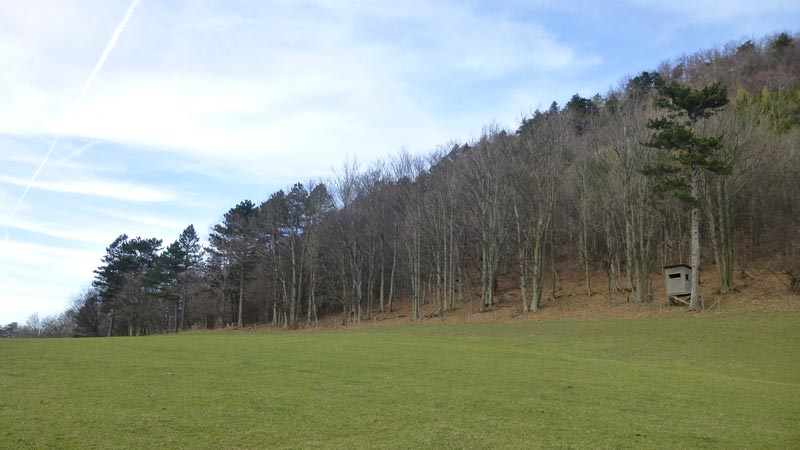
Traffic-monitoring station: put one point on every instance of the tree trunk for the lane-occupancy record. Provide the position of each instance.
(719, 226)
(241, 296)
(370, 280)
(293, 288)
(311, 301)
(553, 271)
(391, 281)
(538, 263)
(177, 313)
(585, 234)
(522, 260)
(111, 324)
(629, 246)
(452, 263)
(383, 278)
(695, 302)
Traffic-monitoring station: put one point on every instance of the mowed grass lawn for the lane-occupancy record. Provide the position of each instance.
(698, 381)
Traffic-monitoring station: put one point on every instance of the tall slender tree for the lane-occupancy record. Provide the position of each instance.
(235, 239)
(688, 154)
(179, 264)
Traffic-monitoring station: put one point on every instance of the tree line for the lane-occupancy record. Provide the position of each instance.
(701, 153)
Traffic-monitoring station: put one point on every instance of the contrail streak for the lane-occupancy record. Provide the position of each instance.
(110, 46)
(80, 150)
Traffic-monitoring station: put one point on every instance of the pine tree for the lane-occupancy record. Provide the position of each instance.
(688, 154)
(234, 241)
(127, 282)
(178, 266)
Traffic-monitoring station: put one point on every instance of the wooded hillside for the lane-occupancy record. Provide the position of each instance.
(584, 188)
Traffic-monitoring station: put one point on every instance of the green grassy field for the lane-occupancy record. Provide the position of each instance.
(699, 381)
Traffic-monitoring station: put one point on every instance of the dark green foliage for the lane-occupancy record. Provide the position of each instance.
(580, 111)
(781, 42)
(179, 257)
(641, 85)
(233, 237)
(136, 284)
(184, 253)
(320, 203)
(128, 282)
(695, 104)
(612, 103)
(274, 213)
(178, 267)
(528, 124)
(125, 258)
(234, 247)
(746, 47)
(686, 151)
(10, 331)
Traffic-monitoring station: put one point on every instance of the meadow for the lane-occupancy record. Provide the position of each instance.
(726, 380)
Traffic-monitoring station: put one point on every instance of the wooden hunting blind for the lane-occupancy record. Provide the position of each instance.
(678, 279)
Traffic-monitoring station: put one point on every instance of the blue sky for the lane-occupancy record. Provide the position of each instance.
(175, 115)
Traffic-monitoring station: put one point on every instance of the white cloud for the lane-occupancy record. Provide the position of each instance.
(57, 230)
(242, 88)
(92, 227)
(51, 275)
(130, 191)
(158, 224)
(68, 261)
